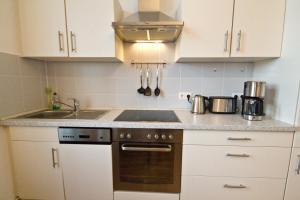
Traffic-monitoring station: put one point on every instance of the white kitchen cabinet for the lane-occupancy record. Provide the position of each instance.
(119, 195)
(228, 188)
(207, 29)
(235, 161)
(234, 165)
(43, 28)
(37, 170)
(257, 28)
(240, 29)
(36, 163)
(293, 182)
(90, 31)
(238, 138)
(87, 172)
(52, 29)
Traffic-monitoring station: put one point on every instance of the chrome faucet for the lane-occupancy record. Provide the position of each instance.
(76, 104)
(75, 107)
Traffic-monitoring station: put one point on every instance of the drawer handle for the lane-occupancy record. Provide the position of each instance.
(239, 139)
(298, 169)
(238, 155)
(235, 186)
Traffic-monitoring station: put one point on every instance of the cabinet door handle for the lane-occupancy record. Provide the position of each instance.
(298, 168)
(55, 159)
(73, 42)
(226, 41)
(239, 139)
(238, 155)
(61, 41)
(235, 186)
(239, 40)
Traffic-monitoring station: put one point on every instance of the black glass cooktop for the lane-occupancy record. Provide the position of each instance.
(148, 116)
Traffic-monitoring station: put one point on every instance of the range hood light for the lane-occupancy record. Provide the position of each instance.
(148, 41)
(148, 34)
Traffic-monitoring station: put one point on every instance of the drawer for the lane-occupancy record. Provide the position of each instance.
(238, 138)
(225, 188)
(235, 161)
(119, 195)
(33, 134)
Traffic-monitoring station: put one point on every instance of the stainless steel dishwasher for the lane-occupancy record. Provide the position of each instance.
(86, 157)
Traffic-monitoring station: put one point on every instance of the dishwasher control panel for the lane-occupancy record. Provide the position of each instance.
(84, 135)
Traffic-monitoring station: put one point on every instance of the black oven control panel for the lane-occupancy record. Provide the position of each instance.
(148, 135)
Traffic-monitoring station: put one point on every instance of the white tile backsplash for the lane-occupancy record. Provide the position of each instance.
(22, 84)
(114, 85)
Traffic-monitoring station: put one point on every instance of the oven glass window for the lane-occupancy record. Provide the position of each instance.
(146, 167)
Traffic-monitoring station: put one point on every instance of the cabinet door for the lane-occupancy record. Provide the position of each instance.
(257, 28)
(87, 172)
(207, 29)
(90, 30)
(43, 28)
(292, 189)
(38, 174)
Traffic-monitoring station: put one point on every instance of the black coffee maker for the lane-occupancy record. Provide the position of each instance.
(253, 100)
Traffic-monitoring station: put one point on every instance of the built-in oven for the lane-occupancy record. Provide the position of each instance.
(147, 160)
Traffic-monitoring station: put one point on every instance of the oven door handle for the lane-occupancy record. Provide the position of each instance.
(125, 147)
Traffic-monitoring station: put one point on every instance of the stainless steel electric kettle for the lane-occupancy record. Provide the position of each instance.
(198, 103)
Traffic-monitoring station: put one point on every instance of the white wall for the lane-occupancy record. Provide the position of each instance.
(6, 182)
(9, 26)
(283, 75)
(22, 85)
(103, 85)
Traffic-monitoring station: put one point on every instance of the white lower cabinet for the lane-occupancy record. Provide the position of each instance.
(144, 196)
(231, 165)
(37, 170)
(235, 161)
(87, 171)
(293, 183)
(226, 188)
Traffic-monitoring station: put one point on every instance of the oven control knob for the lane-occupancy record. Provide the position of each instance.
(156, 136)
(149, 136)
(171, 137)
(163, 136)
(128, 136)
(122, 135)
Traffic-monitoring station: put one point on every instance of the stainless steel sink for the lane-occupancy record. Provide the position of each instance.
(65, 114)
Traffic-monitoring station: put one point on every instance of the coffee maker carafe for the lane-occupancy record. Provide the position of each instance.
(253, 100)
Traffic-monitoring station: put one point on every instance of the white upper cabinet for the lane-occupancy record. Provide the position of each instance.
(69, 28)
(218, 29)
(43, 28)
(257, 28)
(89, 28)
(207, 29)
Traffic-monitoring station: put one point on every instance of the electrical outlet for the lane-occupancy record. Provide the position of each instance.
(183, 95)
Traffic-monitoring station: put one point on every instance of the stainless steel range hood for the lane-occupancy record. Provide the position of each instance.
(148, 27)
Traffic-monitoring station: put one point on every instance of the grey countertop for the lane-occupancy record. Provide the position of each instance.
(188, 121)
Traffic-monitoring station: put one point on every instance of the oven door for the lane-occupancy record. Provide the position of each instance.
(147, 167)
